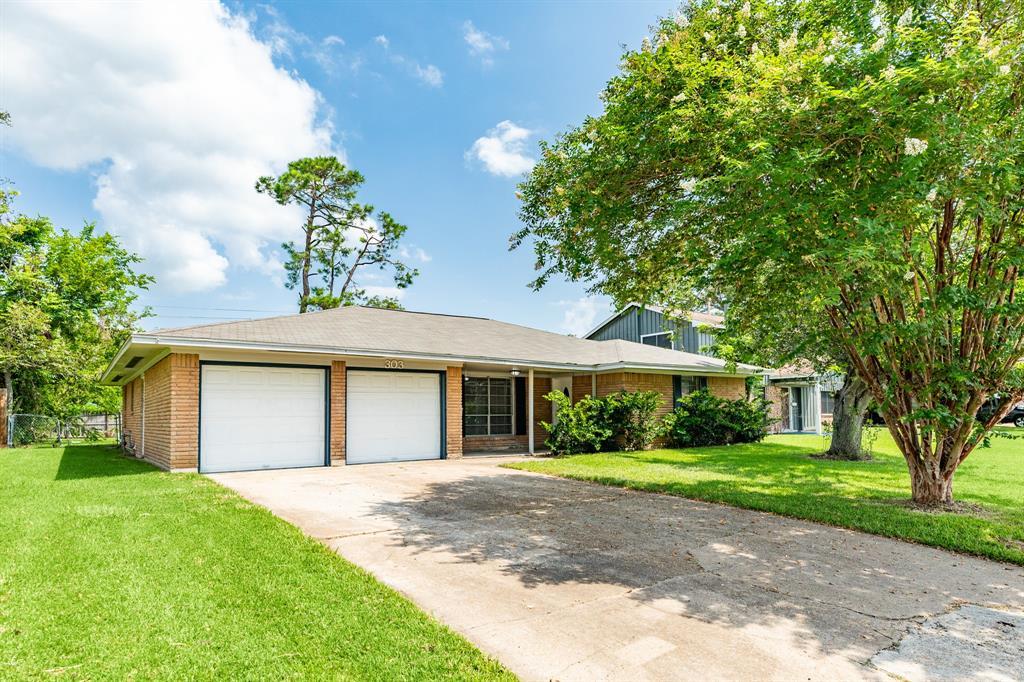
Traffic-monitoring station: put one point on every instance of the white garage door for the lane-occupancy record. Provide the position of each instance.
(261, 418)
(393, 416)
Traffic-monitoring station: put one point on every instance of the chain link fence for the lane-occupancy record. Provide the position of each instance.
(29, 429)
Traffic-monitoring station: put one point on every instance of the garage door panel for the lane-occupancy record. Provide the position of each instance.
(393, 416)
(262, 418)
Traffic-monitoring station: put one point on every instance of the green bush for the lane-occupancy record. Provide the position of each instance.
(582, 427)
(632, 419)
(620, 421)
(703, 419)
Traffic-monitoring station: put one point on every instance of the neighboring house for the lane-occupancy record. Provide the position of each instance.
(649, 326)
(358, 385)
(801, 399)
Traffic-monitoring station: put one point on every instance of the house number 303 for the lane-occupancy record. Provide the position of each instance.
(394, 364)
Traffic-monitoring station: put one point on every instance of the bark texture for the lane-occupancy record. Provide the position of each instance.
(851, 404)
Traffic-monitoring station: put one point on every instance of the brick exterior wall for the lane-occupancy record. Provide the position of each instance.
(337, 418)
(184, 410)
(634, 381)
(731, 388)
(170, 394)
(777, 398)
(453, 413)
(581, 386)
(131, 423)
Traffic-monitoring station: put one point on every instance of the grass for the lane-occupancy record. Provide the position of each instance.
(110, 569)
(780, 476)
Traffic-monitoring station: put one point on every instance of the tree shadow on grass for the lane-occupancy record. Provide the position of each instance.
(97, 461)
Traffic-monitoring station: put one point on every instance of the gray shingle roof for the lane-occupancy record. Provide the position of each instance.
(353, 329)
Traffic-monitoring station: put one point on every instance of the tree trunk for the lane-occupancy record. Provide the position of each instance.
(928, 485)
(851, 404)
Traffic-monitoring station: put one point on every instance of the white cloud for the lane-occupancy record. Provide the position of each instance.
(414, 253)
(177, 108)
(388, 292)
(582, 314)
(429, 74)
(482, 44)
(502, 150)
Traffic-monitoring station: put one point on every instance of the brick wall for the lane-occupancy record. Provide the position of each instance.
(581, 386)
(778, 407)
(168, 395)
(184, 418)
(634, 381)
(131, 418)
(453, 413)
(337, 419)
(731, 388)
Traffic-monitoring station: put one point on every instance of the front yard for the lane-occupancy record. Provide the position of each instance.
(110, 569)
(780, 476)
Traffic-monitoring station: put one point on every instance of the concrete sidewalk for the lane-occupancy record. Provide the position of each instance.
(562, 580)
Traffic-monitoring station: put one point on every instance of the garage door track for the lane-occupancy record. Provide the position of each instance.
(566, 580)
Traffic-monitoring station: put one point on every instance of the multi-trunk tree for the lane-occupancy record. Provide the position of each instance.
(341, 237)
(859, 161)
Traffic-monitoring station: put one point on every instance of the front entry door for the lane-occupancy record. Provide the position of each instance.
(796, 413)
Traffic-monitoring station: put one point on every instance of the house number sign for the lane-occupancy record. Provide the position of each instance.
(394, 364)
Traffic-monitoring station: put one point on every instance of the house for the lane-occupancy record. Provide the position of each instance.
(356, 385)
(800, 398)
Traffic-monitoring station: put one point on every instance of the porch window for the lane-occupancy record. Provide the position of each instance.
(487, 406)
(684, 385)
(828, 402)
(661, 340)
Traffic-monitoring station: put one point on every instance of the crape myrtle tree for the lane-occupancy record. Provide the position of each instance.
(860, 161)
(341, 238)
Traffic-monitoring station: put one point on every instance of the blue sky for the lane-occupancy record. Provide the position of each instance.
(155, 125)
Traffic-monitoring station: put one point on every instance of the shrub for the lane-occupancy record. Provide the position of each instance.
(703, 419)
(581, 427)
(620, 421)
(631, 416)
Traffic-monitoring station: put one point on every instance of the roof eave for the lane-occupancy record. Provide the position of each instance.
(160, 340)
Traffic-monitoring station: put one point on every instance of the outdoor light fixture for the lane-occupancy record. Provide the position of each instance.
(515, 372)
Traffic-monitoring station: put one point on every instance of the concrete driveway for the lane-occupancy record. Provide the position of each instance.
(562, 580)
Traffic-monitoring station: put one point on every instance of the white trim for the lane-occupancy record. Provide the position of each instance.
(529, 408)
(156, 340)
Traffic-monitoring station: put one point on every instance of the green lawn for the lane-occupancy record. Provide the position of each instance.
(110, 569)
(779, 476)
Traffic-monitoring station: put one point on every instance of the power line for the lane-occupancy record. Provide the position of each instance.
(227, 310)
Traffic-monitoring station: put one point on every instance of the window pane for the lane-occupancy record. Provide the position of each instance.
(501, 396)
(501, 426)
(476, 426)
(659, 340)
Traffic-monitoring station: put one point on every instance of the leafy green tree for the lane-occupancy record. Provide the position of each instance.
(341, 237)
(65, 307)
(859, 160)
(758, 332)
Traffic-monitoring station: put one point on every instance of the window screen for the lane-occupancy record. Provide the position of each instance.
(487, 406)
(828, 402)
